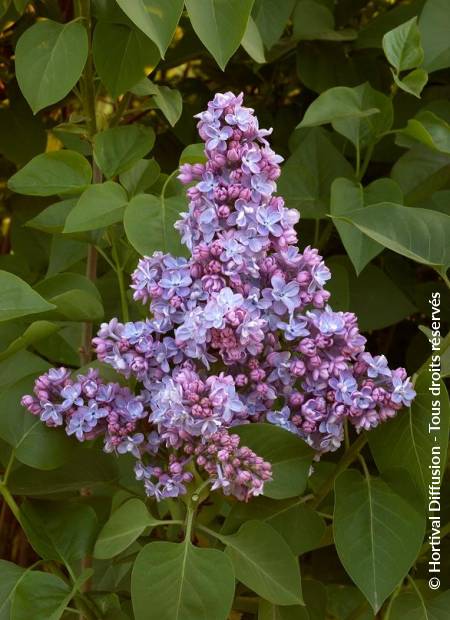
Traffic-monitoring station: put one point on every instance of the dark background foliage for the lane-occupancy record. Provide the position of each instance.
(374, 131)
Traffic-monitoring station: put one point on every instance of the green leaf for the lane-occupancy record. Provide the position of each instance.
(307, 175)
(253, 43)
(383, 189)
(220, 25)
(361, 113)
(373, 544)
(35, 444)
(269, 569)
(407, 441)
(117, 149)
(87, 467)
(315, 21)
(140, 177)
(434, 27)
(99, 206)
(149, 223)
(289, 455)
(22, 135)
(312, 19)
(300, 526)
(33, 333)
(18, 298)
(367, 130)
(167, 99)
(347, 196)
(124, 526)
(53, 218)
(428, 129)
(418, 234)
(193, 154)
(56, 172)
(412, 83)
(181, 581)
(75, 296)
(368, 294)
(63, 532)
(420, 173)
(402, 46)
(10, 575)
(336, 104)
(267, 611)
(156, 18)
(414, 606)
(272, 18)
(40, 596)
(122, 56)
(50, 58)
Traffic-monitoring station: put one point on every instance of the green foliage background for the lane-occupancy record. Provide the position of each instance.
(97, 104)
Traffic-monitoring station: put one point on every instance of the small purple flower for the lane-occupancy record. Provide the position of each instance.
(377, 366)
(217, 137)
(284, 295)
(403, 391)
(345, 386)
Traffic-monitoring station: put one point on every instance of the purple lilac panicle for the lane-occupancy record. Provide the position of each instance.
(240, 332)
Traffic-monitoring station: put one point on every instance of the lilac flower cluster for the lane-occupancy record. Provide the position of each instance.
(240, 332)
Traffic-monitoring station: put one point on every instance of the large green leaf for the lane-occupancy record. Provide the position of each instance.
(334, 104)
(368, 294)
(314, 20)
(264, 562)
(361, 114)
(434, 27)
(40, 596)
(272, 18)
(289, 455)
(156, 18)
(220, 25)
(402, 46)
(22, 135)
(428, 129)
(87, 467)
(63, 532)
(182, 582)
(253, 43)
(49, 61)
(371, 537)
(407, 441)
(53, 218)
(300, 526)
(122, 56)
(56, 172)
(417, 606)
(118, 148)
(124, 526)
(100, 205)
(75, 296)
(18, 298)
(419, 234)
(420, 173)
(10, 575)
(140, 177)
(307, 175)
(267, 611)
(35, 444)
(149, 223)
(38, 330)
(347, 196)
